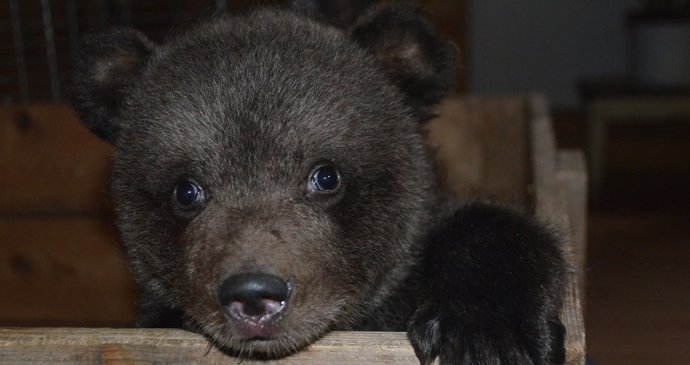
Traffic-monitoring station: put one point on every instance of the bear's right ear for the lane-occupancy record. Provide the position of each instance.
(415, 57)
(106, 64)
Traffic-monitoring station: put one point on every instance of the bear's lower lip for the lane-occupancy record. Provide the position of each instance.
(260, 325)
(256, 330)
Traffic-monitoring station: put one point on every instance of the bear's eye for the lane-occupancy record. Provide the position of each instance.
(188, 194)
(324, 179)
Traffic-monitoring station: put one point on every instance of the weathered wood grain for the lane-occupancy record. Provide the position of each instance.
(171, 346)
(558, 179)
(572, 176)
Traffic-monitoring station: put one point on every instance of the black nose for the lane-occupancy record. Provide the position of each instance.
(253, 294)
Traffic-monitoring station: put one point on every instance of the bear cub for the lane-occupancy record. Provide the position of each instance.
(271, 184)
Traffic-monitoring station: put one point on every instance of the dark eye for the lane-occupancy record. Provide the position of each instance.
(188, 193)
(324, 179)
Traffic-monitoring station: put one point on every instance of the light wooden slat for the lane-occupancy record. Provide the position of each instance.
(571, 316)
(572, 180)
(171, 346)
(572, 177)
(557, 175)
(483, 147)
(549, 199)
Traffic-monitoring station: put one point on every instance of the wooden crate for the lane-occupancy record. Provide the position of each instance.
(61, 265)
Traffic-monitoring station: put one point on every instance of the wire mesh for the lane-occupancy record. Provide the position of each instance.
(38, 38)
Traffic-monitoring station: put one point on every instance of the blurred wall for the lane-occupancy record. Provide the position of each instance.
(545, 45)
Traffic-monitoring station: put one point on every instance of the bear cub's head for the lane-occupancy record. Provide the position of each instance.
(270, 176)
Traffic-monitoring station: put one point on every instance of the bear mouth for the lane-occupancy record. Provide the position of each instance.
(256, 320)
(267, 335)
(266, 343)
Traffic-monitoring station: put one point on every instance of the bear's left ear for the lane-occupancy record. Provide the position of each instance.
(106, 65)
(414, 56)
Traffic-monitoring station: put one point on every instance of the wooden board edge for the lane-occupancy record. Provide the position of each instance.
(174, 346)
(557, 177)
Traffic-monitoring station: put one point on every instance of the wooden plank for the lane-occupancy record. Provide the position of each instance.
(572, 181)
(174, 346)
(571, 316)
(572, 177)
(507, 171)
(483, 148)
(50, 162)
(63, 271)
(553, 182)
(171, 346)
(548, 199)
(454, 135)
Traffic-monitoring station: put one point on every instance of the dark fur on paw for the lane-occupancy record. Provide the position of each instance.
(439, 331)
(425, 333)
(493, 283)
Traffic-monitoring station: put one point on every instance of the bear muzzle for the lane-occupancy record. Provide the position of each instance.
(254, 302)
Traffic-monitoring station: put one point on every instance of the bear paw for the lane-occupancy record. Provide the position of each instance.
(456, 338)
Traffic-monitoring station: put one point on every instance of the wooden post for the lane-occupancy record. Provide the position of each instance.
(560, 187)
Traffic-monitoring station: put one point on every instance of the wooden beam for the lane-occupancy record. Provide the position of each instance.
(560, 198)
(77, 346)
(173, 346)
